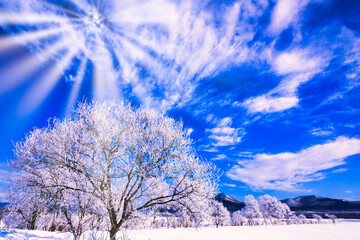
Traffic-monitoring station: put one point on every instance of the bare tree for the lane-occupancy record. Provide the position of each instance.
(126, 159)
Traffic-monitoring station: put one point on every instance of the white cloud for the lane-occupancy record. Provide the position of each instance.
(340, 170)
(297, 67)
(284, 171)
(229, 185)
(321, 132)
(219, 157)
(266, 104)
(189, 131)
(210, 118)
(188, 42)
(350, 41)
(285, 13)
(296, 61)
(352, 56)
(225, 135)
(348, 191)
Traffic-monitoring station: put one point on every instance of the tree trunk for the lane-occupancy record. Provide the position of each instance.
(32, 225)
(77, 234)
(32, 222)
(113, 231)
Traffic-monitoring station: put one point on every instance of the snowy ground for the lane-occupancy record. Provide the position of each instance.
(341, 231)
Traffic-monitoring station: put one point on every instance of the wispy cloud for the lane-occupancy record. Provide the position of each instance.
(225, 135)
(219, 157)
(284, 171)
(297, 61)
(297, 67)
(351, 55)
(268, 104)
(322, 132)
(189, 131)
(285, 13)
(229, 185)
(340, 170)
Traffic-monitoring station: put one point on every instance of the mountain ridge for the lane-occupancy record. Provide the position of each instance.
(300, 203)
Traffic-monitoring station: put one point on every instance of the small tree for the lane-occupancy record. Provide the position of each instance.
(27, 203)
(272, 208)
(219, 214)
(317, 217)
(332, 217)
(293, 219)
(128, 159)
(77, 210)
(252, 209)
(238, 218)
(302, 219)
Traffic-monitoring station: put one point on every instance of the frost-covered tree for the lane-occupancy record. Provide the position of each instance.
(272, 208)
(219, 214)
(27, 203)
(127, 159)
(302, 219)
(78, 211)
(293, 219)
(317, 217)
(332, 217)
(252, 209)
(238, 218)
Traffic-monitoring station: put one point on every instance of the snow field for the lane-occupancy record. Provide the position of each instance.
(340, 231)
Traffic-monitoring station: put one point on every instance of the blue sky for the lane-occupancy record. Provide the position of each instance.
(269, 90)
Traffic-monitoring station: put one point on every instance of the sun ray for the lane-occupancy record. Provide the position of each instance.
(11, 77)
(36, 94)
(28, 37)
(62, 9)
(145, 47)
(76, 87)
(30, 18)
(105, 78)
(130, 45)
(83, 5)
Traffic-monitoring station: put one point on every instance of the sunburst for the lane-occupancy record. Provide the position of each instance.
(130, 44)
